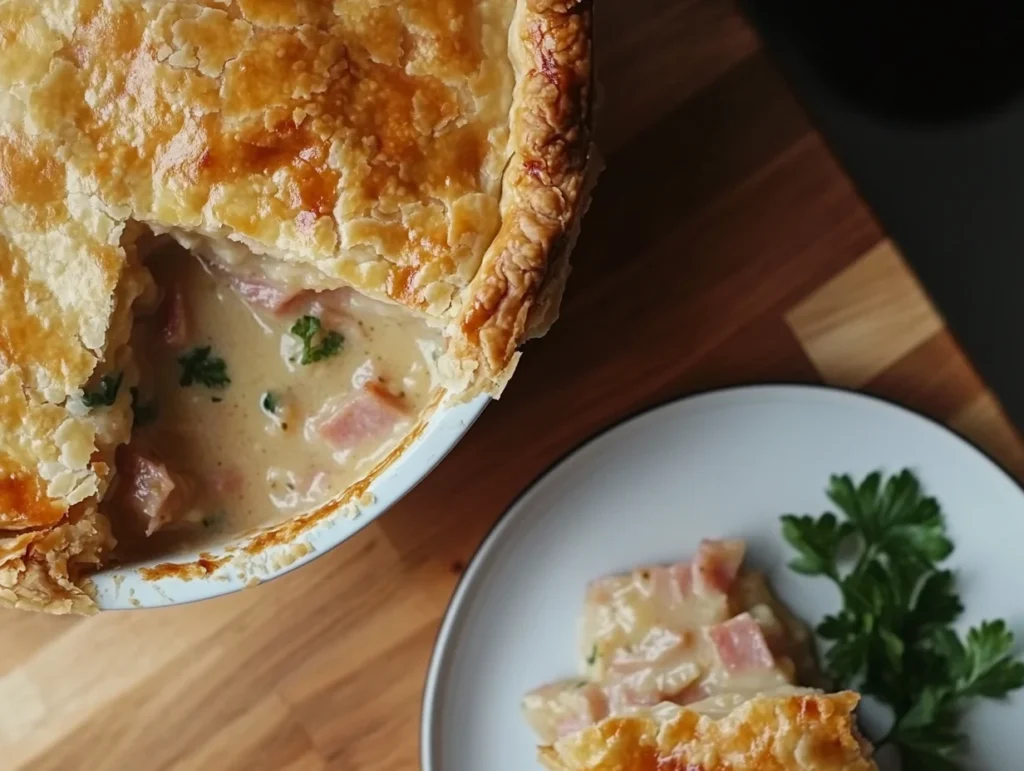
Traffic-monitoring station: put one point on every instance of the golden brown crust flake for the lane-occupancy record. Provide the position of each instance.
(807, 732)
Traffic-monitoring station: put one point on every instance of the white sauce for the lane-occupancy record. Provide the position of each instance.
(247, 466)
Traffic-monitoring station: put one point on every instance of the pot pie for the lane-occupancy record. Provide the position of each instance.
(692, 667)
(247, 245)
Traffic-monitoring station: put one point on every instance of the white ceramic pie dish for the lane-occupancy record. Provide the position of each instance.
(229, 565)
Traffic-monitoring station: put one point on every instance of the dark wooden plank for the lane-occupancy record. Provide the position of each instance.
(935, 378)
(654, 54)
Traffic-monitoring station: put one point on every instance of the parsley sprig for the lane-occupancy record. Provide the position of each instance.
(893, 638)
(199, 366)
(307, 329)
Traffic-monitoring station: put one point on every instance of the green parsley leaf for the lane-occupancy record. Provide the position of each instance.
(847, 658)
(592, 658)
(893, 636)
(145, 413)
(838, 626)
(929, 708)
(307, 329)
(928, 737)
(937, 603)
(927, 732)
(817, 540)
(989, 669)
(105, 394)
(198, 366)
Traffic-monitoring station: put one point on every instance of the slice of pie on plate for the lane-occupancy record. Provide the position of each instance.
(388, 188)
(693, 667)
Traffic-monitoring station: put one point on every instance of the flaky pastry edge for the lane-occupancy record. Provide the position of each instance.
(810, 732)
(518, 287)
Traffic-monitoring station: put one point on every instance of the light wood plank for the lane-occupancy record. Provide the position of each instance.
(865, 319)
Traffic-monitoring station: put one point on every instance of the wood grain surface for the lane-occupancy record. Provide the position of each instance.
(723, 246)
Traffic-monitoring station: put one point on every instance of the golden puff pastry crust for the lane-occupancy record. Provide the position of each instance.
(431, 153)
(50, 479)
(427, 152)
(797, 732)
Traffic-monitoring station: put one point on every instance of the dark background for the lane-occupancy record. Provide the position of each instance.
(924, 106)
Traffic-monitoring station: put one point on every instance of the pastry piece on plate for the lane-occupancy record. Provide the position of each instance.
(430, 157)
(797, 731)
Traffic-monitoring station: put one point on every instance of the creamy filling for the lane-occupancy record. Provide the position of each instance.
(700, 634)
(256, 397)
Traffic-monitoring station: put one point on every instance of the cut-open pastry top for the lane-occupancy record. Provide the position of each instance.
(429, 154)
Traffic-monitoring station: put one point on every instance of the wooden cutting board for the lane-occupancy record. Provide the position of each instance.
(723, 246)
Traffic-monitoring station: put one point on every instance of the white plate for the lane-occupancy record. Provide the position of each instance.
(726, 463)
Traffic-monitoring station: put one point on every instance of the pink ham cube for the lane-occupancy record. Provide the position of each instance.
(741, 645)
(371, 413)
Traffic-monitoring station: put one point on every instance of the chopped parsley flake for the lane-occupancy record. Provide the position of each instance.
(592, 658)
(307, 329)
(270, 402)
(105, 394)
(145, 413)
(198, 366)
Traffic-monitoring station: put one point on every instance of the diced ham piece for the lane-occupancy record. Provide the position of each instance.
(146, 488)
(333, 307)
(563, 708)
(717, 564)
(174, 318)
(741, 645)
(371, 413)
(265, 295)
